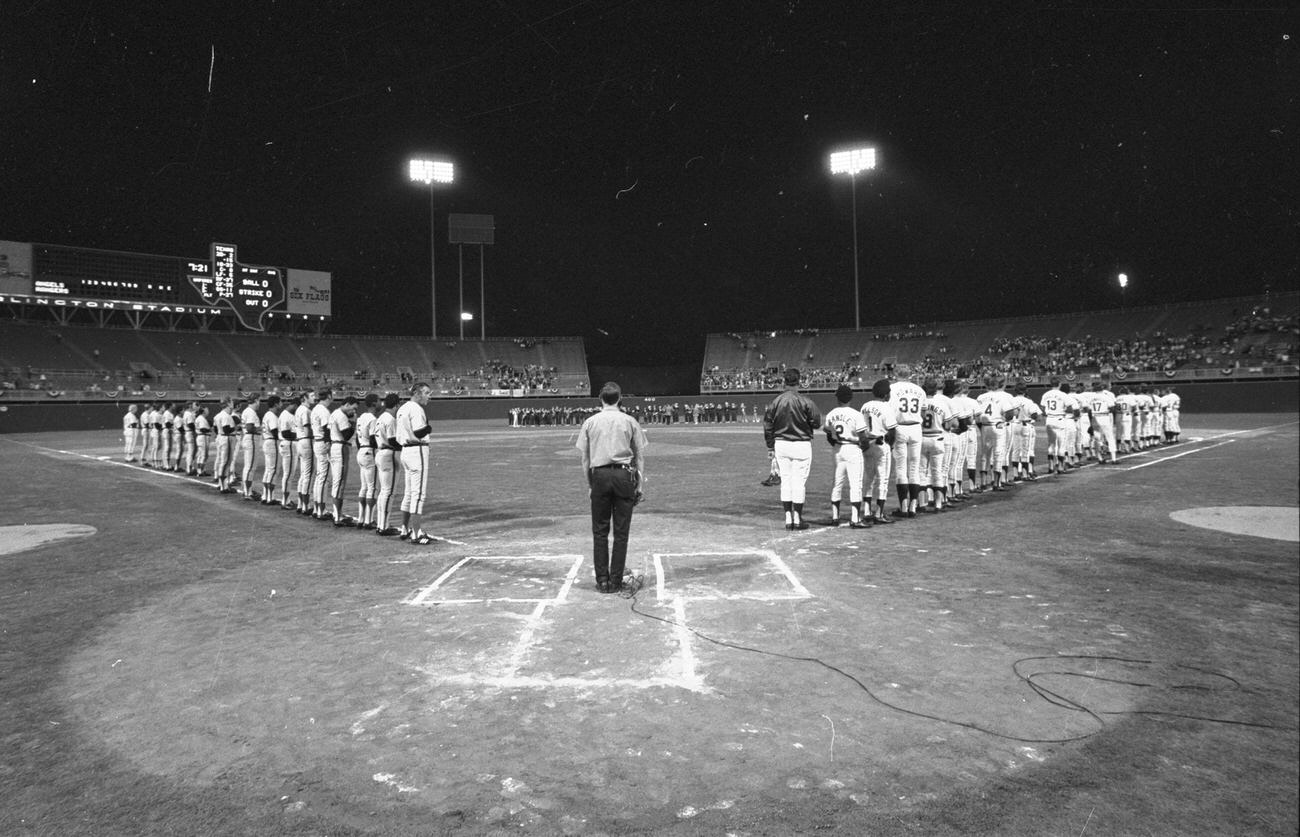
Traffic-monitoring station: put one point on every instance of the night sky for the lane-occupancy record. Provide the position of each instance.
(658, 170)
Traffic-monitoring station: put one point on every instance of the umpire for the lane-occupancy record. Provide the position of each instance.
(788, 426)
(613, 446)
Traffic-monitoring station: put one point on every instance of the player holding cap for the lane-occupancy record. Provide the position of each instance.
(341, 431)
(320, 436)
(270, 448)
(386, 450)
(305, 450)
(130, 430)
(413, 435)
(788, 425)
(365, 437)
(877, 439)
(287, 426)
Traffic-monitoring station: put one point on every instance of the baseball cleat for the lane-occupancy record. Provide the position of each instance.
(386, 533)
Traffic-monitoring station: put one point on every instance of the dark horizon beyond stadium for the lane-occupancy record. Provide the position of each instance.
(659, 170)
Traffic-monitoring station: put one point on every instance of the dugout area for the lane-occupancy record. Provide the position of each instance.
(1081, 655)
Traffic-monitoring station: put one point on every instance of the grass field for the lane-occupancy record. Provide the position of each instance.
(1067, 658)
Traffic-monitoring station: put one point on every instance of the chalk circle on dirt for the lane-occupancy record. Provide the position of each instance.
(22, 538)
(1281, 523)
(657, 449)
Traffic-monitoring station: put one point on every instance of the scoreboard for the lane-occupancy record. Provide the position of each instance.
(220, 285)
(251, 292)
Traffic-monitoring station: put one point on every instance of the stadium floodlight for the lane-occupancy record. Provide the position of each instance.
(850, 162)
(430, 172)
(1123, 284)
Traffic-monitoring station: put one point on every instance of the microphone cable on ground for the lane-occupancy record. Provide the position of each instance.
(632, 586)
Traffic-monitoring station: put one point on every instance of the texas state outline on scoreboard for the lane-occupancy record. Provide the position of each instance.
(251, 291)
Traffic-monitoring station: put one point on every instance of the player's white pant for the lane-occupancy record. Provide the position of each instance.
(340, 455)
(1103, 429)
(384, 475)
(320, 466)
(128, 441)
(166, 448)
(415, 465)
(225, 458)
(794, 460)
(932, 452)
(286, 455)
(306, 465)
(191, 448)
(1022, 441)
(848, 468)
(1081, 425)
(199, 461)
(270, 461)
(1173, 421)
(970, 447)
(151, 437)
(248, 445)
(954, 457)
(1124, 428)
(1057, 431)
(879, 461)
(907, 454)
(993, 447)
(366, 470)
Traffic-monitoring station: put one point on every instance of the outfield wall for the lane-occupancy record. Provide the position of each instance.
(1217, 397)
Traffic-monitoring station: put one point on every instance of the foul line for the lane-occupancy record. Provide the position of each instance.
(1177, 455)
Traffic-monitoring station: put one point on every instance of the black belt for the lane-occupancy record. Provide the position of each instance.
(611, 465)
(415, 444)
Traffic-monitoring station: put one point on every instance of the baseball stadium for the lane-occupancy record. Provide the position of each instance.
(648, 417)
(1109, 649)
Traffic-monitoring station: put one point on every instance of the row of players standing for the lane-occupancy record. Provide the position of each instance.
(307, 447)
(939, 445)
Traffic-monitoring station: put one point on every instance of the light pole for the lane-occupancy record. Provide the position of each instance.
(430, 172)
(851, 162)
(1123, 283)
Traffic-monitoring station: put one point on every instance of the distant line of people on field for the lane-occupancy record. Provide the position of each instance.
(311, 436)
(937, 445)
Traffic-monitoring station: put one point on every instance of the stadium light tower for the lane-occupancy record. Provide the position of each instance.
(1123, 284)
(430, 172)
(851, 162)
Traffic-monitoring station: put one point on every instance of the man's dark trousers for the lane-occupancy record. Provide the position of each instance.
(613, 495)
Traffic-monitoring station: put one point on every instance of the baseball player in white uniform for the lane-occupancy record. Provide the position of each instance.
(187, 426)
(366, 468)
(386, 452)
(270, 448)
(1101, 407)
(130, 431)
(341, 430)
(907, 399)
(1023, 434)
(412, 433)
(167, 443)
(305, 449)
(148, 436)
(287, 426)
(202, 439)
(936, 418)
(996, 406)
(320, 419)
(843, 428)
(878, 456)
(251, 424)
(224, 431)
(1173, 405)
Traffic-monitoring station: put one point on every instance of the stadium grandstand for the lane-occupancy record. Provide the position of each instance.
(1249, 338)
(44, 360)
